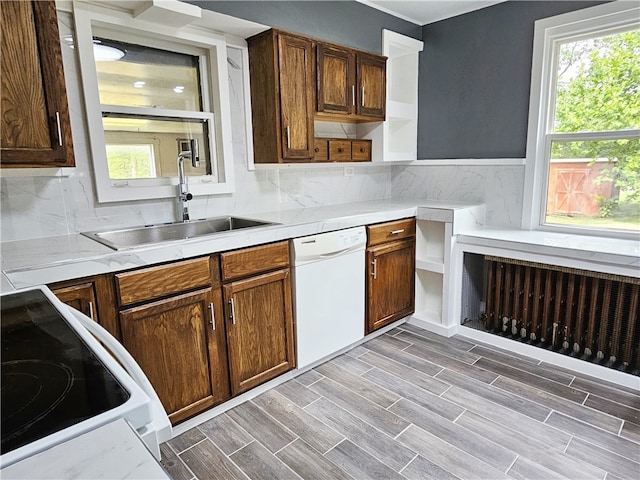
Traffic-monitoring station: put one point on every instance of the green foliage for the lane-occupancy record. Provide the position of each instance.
(129, 161)
(599, 90)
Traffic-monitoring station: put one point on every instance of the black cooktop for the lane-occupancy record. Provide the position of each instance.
(51, 380)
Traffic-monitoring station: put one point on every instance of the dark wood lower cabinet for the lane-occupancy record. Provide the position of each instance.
(93, 296)
(179, 342)
(390, 282)
(259, 323)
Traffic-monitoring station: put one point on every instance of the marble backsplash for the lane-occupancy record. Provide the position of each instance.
(38, 204)
(499, 187)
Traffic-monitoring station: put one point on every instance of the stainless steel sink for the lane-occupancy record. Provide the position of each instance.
(170, 232)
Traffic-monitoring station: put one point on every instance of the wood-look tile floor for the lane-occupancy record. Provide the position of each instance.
(411, 404)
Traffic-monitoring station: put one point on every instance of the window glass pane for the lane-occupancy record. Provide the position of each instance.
(598, 85)
(168, 137)
(130, 161)
(146, 77)
(595, 184)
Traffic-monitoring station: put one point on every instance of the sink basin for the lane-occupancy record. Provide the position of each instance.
(170, 232)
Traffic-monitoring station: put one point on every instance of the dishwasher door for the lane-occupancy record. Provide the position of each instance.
(329, 292)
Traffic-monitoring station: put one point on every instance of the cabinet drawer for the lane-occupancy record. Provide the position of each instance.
(340, 150)
(361, 150)
(161, 281)
(321, 150)
(250, 261)
(389, 231)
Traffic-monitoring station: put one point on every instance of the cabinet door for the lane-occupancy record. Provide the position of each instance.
(36, 130)
(336, 80)
(82, 297)
(295, 61)
(259, 322)
(391, 282)
(371, 75)
(179, 344)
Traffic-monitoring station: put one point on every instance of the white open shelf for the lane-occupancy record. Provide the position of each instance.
(396, 139)
(430, 264)
(429, 302)
(430, 241)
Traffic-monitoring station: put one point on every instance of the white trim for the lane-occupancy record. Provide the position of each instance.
(248, 115)
(451, 162)
(543, 355)
(467, 162)
(217, 90)
(588, 21)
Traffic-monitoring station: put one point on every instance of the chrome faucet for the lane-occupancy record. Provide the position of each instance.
(183, 194)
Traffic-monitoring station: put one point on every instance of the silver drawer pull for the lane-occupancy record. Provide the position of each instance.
(353, 95)
(59, 128)
(233, 311)
(375, 268)
(91, 311)
(213, 317)
(396, 232)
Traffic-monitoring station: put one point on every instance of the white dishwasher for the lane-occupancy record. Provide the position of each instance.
(329, 292)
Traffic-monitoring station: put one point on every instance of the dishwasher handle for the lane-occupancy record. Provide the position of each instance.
(334, 254)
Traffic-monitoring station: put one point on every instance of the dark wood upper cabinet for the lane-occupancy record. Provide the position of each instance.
(371, 91)
(351, 85)
(296, 80)
(281, 71)
(336, 79)
(36, 129)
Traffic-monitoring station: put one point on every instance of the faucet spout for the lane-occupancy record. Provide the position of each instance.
(183, 193)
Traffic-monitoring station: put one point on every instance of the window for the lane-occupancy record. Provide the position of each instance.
(147, 94)
(131, 161)
(583, 153)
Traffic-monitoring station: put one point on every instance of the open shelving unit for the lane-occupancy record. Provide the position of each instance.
(437, 226)
(433, 250)
(395, 139)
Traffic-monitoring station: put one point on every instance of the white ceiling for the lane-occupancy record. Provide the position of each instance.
(422, 12)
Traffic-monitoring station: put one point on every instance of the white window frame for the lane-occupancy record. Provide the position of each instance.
(216, 108)
(549, 32)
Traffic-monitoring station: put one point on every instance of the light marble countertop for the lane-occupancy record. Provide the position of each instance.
(583, 248)
(112, 451)
(52, 259)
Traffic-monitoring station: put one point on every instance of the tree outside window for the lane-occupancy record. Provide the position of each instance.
(594, 167)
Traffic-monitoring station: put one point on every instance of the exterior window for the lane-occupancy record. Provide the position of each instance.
(131, 161)
(148, 91)
(584, 149)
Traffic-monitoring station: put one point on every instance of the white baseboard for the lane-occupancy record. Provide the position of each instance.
(553, 358)
(434, 327)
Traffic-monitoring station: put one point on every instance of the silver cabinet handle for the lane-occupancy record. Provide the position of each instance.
(288, 136)
(353, 95)
(59, 128)
(213, 317)
(375, 268)
(396, 232)
(91, 311)
(233, 311)
(363, 95)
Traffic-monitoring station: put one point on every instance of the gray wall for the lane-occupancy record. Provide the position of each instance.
(475, 76)
(344, 22)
